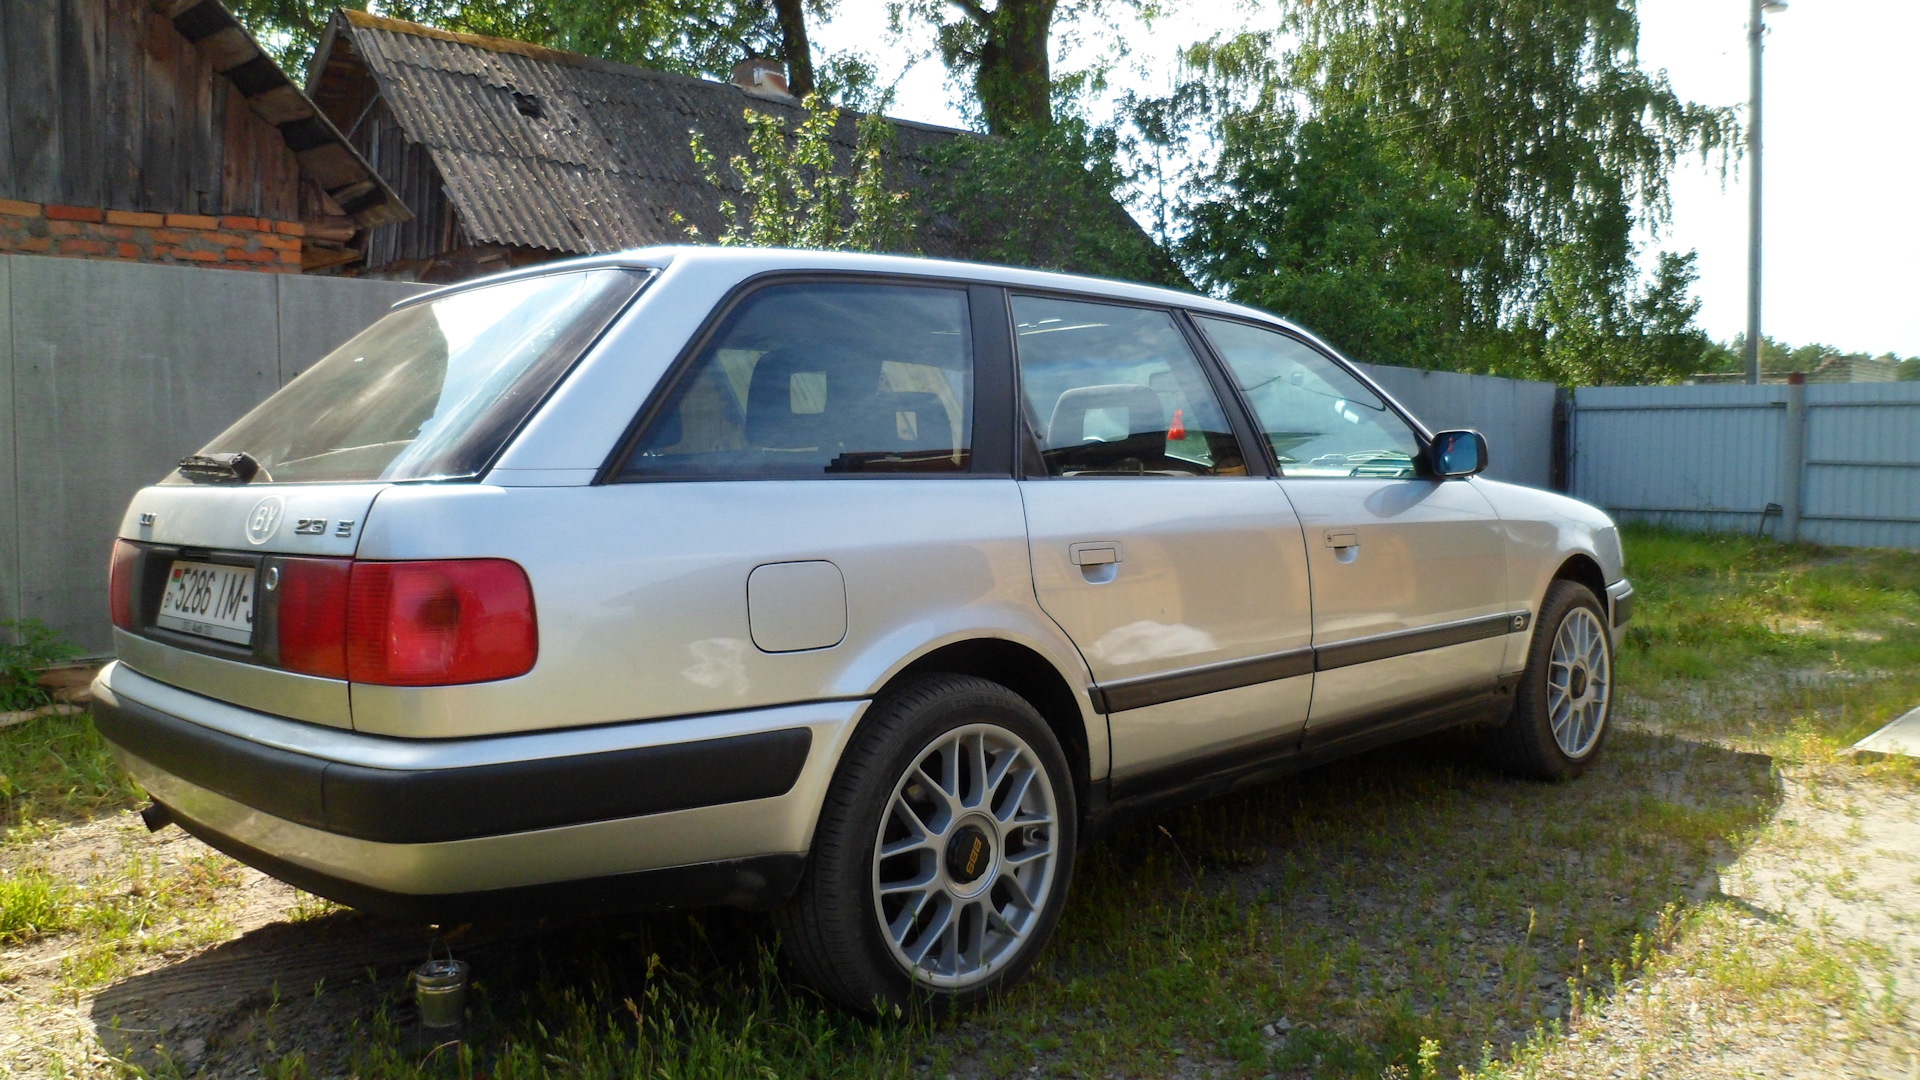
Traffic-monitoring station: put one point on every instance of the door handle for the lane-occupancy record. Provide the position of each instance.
(1342, 539)
(1097, 553)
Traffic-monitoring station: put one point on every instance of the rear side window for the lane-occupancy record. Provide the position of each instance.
(822, 379)
(434, 390)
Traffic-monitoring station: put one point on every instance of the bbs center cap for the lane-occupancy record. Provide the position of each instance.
(969, 854)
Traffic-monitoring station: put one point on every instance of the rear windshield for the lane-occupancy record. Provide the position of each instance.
(434, 390)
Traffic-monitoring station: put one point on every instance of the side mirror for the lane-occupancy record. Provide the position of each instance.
(1457, 453)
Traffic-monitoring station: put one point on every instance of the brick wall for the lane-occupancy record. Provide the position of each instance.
(233, 243)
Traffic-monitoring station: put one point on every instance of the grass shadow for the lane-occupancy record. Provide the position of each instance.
(1324, 925)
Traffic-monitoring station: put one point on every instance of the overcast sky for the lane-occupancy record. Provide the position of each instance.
(1842, 253)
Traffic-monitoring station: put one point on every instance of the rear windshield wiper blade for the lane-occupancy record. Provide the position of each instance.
(237, 468)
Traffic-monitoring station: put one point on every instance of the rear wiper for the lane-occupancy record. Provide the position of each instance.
(237, 468)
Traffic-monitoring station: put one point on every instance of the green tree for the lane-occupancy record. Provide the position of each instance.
(1004, 48)
(1541, 105)
(793, 192)
(1452, 184)
(1322, 220)
(1045, 198)
(1615, 330)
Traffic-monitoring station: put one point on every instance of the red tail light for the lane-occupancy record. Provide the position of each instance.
(313, 615)
(120, 584)
(440, 623)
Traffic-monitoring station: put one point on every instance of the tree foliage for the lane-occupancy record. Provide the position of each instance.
(1540, 105)
(1003, 48)
(695, 37)
(1324, 219)
(1778, 358)
(1618, 329)
(1451, 184)
(1044, 197)
(794, 194)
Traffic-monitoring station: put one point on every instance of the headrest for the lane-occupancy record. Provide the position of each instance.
(914, 420)
(790, 395)
(1068, 427)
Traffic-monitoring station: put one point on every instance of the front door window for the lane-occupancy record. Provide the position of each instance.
(1318, 418)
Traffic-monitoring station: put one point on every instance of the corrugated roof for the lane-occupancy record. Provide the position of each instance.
(603, 163)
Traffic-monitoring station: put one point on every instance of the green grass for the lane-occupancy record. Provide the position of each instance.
(1794, 650)
(34, 645)
(1407, 913)
(58, 768)
(32, 903)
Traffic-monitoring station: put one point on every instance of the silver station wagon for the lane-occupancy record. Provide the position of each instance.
(864, 589)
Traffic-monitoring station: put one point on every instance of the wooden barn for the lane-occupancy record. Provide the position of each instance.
(160, 132)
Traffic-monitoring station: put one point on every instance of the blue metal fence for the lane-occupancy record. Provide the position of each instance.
(1829, 463)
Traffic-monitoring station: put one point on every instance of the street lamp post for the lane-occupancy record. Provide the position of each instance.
(1756, 29)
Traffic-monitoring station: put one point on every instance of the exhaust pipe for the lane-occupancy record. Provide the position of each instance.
(155, 817)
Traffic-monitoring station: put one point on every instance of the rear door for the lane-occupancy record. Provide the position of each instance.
(1181, 577)
(1410, 606)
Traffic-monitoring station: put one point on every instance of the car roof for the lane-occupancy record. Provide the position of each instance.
(749, 262)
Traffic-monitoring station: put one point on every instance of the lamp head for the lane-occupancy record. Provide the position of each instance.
(1774, 7)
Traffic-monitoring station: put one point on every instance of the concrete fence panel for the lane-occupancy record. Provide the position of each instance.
(118, 370)
(9, 474)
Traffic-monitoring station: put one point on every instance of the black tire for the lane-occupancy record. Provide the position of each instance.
(832, 933)
(1526, 744)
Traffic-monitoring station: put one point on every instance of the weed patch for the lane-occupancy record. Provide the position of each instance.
(58, 767)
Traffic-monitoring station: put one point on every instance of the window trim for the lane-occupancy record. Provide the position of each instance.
(979, 465)
(1225, 390)
(1423, 436)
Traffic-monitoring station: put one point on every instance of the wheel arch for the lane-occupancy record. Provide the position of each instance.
(1585, 570)
(1027, 673)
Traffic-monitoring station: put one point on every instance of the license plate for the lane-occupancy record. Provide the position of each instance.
(210, 600)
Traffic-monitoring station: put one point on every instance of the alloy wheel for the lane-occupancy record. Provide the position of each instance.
(965, 856)
(1579, 682)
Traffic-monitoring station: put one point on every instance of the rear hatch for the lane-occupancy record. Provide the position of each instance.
(216, 566)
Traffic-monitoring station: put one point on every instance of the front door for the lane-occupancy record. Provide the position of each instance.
(1410, 605)
(1182, 579)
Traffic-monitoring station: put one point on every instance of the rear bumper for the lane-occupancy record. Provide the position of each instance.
(372, 821)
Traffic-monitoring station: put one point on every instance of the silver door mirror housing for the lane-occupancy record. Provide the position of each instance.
(1454, 454)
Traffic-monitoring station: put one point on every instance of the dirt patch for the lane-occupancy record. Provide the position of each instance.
(1809, 967)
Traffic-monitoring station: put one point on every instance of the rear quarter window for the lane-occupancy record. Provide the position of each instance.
(821, 379)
